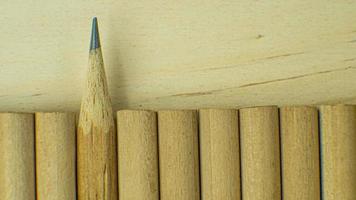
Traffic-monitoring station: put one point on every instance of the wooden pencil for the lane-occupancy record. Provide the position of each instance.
(96, 136)
(178, 155)
(338, 150)
(138, 155)
(17, 156)
(219, 154)
(300, 153)
(55, 156)
(260, 153)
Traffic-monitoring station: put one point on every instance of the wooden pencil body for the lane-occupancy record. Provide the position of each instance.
(55, 156)
(17, 157)
(338, 142)
(96, 137)
(138, 155)
(300, 153)
(178, 155)
(260, 153)
(219, 154)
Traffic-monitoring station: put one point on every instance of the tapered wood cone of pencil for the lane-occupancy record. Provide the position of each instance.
(96, 139)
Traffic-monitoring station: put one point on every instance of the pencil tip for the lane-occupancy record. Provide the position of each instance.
(95, 41)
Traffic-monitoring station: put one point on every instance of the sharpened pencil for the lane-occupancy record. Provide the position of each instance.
(96, 138)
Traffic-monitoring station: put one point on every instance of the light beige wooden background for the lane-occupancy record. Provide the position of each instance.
(179, 54)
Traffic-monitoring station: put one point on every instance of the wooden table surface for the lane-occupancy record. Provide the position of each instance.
(179, 54)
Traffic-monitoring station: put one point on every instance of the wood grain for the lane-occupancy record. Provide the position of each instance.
(178, 155)
(55, 156)
(96, 137)
(300, 153)
(138, 155)
(17, 156)
(260, 153)
(219, 154)
(338, 142)
(262, 49)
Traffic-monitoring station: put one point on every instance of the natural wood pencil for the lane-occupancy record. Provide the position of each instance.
(55, 156)
(138, 155)
(338, 150)
(300, 153)
(97, 158)
(178, 155)
(260, 153)
(219, 154)
(17, 156)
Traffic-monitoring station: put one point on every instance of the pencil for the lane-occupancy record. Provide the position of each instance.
(260, 153)
(178, 155)
(55, 156)
(338, 151)
(300, 153)
(219, 154)
(17, 156)
(96, 139)
(138, 155)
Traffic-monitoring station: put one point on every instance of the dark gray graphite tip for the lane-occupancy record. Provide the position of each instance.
(95, 40)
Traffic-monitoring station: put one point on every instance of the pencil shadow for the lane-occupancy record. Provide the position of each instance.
(115, 69)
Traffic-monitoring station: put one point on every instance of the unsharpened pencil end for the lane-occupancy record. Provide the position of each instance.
(95, 41)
